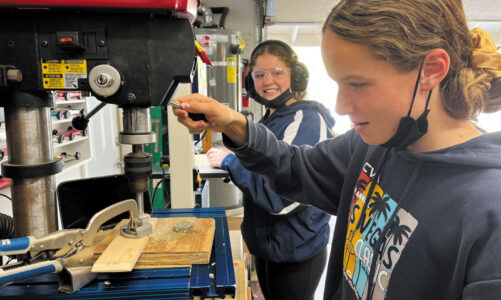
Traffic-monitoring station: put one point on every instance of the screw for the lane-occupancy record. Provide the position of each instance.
(101, 43)
(45, 43)
(11, 43)
(131, 97)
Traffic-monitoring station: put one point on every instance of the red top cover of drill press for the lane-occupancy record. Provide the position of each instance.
(183, 8)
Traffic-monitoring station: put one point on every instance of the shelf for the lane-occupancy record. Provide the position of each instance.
(61, 121)
(72, 164)
(69, 102)
(68, 142)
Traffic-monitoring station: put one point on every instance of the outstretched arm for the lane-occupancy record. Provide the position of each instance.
(220, 118)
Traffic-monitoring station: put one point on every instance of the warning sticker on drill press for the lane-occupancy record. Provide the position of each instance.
(63, 74)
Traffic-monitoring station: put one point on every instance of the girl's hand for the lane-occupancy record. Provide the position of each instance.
(220, 118)
(216, 156)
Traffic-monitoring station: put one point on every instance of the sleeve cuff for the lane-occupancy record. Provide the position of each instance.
(228, 143)
(227, 161)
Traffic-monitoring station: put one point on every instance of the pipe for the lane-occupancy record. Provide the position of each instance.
(29, 141)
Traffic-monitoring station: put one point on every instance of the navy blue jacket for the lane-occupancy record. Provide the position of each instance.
(274, 228)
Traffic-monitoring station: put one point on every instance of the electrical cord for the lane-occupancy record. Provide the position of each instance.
(6, 226)
(202, 137)
(155, 190)
(6, 196)
(166, 194)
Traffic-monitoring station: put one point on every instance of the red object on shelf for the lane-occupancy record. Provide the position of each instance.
(245, 101)
(4, 182)
(182, 8)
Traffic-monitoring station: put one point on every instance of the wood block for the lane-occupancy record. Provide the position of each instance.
(121, 254)
(167, 247)
(236, 244)
(241, 280)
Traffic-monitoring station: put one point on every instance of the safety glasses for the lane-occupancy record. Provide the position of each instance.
(275, 73)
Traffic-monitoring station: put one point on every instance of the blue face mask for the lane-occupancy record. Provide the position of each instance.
(410, 130)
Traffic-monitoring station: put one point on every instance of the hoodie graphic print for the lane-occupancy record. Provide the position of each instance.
(368, 218)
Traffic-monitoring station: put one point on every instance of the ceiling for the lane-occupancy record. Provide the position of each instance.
(299, 22)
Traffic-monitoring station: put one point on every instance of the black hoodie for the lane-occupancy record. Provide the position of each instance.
(430, 230)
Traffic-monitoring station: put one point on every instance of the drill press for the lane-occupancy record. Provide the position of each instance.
(131, 53)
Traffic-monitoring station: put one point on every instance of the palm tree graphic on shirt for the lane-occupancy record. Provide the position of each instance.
(399, 231)
(379, 206)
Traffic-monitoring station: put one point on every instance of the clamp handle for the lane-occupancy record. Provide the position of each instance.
(28, 271)
(16, 246)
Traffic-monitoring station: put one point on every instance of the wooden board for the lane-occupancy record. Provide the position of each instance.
(167, 247)
(121, 254)
(241, 280)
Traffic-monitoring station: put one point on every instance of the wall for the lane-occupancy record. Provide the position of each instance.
(244, 17)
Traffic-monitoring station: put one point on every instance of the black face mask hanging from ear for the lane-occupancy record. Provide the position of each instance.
(410, 130)
(276, 102)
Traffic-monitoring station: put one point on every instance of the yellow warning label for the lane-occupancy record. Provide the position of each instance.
(231, 69)
(63, 74)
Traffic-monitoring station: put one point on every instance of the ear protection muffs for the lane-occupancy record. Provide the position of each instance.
(299, 71)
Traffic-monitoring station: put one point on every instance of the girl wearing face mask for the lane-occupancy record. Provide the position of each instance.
(287, 239)
(415, 185)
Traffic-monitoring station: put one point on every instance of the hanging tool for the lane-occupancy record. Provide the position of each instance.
(73, 261)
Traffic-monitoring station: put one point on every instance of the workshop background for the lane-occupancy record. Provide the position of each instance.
(296, 22)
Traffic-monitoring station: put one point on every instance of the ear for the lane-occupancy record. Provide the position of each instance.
(435, 68)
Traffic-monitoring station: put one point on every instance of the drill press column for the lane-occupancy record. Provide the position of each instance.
(30, 143)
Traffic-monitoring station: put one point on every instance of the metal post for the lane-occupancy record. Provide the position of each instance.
(29, 142)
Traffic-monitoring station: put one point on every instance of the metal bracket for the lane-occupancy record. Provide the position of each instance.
(141, 228)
